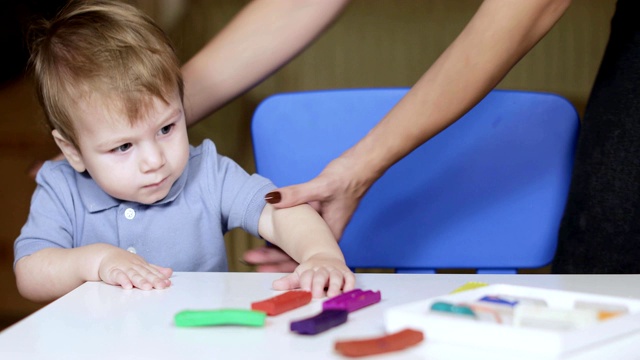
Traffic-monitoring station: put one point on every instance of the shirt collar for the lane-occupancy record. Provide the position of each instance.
(95, 199)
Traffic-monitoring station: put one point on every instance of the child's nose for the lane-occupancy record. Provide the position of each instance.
(152, 158)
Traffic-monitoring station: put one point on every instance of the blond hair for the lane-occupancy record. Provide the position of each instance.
(108, 48)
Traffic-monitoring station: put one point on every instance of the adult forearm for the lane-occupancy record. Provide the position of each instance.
(498, 36)
(264, 36)
(51, 273)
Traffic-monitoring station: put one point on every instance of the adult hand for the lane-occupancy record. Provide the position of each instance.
(270, 259)
(335, 193)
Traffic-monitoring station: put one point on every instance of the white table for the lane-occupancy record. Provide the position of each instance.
(98, 321)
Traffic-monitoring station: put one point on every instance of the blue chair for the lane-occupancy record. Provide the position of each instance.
(487, 193)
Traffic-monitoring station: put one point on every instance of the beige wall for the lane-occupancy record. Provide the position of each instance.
(391, 43)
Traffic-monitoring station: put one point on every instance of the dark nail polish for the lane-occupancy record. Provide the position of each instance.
(273, 197)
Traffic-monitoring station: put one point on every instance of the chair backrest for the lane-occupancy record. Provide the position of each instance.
(487, 193)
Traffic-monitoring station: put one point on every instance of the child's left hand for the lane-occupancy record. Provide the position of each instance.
(318, 273)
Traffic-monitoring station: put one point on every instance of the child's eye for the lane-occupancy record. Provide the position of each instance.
(166, 129)
(122, 148)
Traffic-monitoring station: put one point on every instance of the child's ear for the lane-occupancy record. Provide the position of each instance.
(69, 151)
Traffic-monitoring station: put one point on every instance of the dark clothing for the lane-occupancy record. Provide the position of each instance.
(600, 230)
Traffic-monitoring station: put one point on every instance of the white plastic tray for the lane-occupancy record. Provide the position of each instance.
(469, 332)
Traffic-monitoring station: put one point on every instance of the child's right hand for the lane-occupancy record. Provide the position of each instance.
(120, 267)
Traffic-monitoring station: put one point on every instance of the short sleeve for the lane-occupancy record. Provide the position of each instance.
(49, 223)
(241, 195)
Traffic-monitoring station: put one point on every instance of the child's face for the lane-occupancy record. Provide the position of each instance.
(134, 163)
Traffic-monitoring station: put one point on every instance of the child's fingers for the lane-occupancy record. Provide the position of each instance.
(139, 280)
(163, 274)
(158, 276)
(150, 278)
(349, 281)
(336, 282)
(289, 282)
(320, 278)
(305, 280)
(159, 283)
(119, 277)
(162, 271)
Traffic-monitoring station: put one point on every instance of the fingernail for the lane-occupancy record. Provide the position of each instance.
(273, 197)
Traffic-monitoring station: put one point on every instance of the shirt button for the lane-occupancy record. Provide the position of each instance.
(129, 213)
(131, 249)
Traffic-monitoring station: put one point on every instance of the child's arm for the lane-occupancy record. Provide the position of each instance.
(301, 232)
(50, 273)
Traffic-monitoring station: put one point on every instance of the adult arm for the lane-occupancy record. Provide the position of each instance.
(500, 33)
(264, 36)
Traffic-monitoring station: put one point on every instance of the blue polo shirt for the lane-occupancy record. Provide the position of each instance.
(184, 231)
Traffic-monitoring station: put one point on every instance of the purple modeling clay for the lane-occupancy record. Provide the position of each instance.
(319, 323)
(352, 300)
